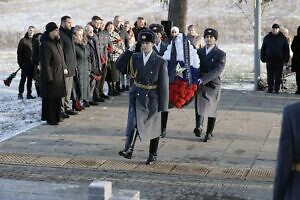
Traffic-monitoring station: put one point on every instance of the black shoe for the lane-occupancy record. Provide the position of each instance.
(52, 123)
(104, 96)
(277, 92)
(85, 104)
(100, 99)
(207, 137)
(126, 153)
(93, 103)
(71, 112)
(20, 96)
(29, 96)
(127, 88)
(151, 159)
(64, 115)
(198, 132)
(269, 91)
(163, 133)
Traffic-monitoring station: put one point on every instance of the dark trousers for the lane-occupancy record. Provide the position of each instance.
(26, 73)
(164, 120)
(274, 74)
(51, 110)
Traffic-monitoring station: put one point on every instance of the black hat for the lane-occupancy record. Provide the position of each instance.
(212, 32)
(275, 26)
(156, 28)
(146, 35)
(51, 26)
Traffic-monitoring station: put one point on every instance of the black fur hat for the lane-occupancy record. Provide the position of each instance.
(156, 28)
(146, 35)
(212, 32)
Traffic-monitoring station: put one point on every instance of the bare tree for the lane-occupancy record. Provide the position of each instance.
(178, 13)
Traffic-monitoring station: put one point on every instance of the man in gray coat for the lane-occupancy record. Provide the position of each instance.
(212, 63)
(148, 96)
(287, 179)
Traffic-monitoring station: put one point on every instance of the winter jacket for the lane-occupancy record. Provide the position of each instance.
(24, 52)
(275, 49)
(52, 65)
(68, 47)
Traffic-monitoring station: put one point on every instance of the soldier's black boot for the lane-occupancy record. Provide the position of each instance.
(164, 120)
(152, 151)
(129, 146)
(199, 125)
(210, 127)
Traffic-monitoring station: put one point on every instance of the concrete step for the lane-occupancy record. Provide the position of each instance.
(120, 194)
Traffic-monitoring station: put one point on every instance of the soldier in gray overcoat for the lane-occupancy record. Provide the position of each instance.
(287, 178)
(212, 62)
(148, 95)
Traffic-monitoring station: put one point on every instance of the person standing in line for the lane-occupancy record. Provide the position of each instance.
(83, 66)
(101, 38)
(287, 175)
(52, 73)
(274, 52)
(148, 95)
(196, 39)
(93, 61)
(68, 45)
(119, 28)
(296, 58)
(24, 57)
(212, 63)
(139, 25)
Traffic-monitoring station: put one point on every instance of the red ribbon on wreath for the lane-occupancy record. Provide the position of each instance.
(180, 93)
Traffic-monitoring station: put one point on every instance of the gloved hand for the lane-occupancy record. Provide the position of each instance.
(132, 48)
(65, 72)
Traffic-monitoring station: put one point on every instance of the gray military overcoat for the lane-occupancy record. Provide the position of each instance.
(145, 105)
(208, 94)
(287, 180)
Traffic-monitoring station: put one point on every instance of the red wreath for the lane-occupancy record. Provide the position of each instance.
(181, 93)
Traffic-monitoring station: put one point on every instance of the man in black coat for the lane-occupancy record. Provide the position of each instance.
(68, 46)
(296, 58)
(52, 74)
(274, 52)
(25, 55)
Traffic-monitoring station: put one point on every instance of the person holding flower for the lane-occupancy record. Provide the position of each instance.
(212, 63)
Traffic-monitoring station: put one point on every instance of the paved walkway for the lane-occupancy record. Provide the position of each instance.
(243, 147)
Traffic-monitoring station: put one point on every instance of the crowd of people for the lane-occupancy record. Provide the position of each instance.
(72, 64)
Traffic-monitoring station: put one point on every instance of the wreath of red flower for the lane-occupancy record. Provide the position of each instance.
(180, 93)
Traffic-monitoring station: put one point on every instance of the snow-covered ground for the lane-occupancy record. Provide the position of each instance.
(235, 39)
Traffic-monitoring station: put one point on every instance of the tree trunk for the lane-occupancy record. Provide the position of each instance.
(177, 13)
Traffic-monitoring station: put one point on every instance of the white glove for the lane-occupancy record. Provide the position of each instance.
(132, 48)
(65, 71)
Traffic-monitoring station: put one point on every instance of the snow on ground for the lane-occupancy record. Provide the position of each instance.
(235, 39)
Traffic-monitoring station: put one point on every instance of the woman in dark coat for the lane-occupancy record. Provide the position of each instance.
(52, 74)
(82, 63)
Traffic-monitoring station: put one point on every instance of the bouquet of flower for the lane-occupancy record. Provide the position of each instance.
(181, 93)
